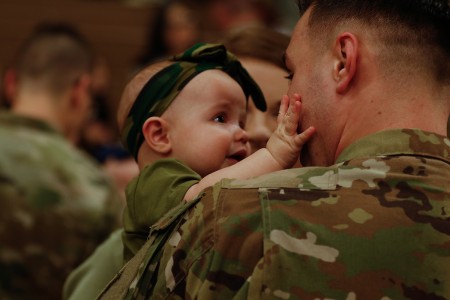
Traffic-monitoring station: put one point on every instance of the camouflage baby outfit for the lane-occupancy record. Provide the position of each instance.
(56, 207)
(376, 225)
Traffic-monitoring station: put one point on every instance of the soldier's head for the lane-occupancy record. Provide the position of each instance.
(54, 65)
(191, 107)
(411, 33)
(54, 58)
(366, 50)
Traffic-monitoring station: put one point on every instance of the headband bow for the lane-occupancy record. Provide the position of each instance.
(159, 92)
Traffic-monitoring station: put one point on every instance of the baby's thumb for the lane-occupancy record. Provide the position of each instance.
(303, 137)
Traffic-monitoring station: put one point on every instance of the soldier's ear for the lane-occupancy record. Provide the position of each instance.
(10, 85)
(155, 130)
(345, 61)
(80, 94)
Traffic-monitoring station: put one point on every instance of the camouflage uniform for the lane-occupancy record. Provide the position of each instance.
(56, 207)
(376, 225)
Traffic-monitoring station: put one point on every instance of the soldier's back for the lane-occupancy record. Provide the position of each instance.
(56, 207)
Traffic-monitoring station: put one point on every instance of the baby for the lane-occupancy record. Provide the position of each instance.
(183, 121)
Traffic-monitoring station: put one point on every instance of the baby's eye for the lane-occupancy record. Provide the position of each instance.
(219, 119)
(289, 76)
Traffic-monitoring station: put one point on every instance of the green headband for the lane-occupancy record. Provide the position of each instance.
(159, 92)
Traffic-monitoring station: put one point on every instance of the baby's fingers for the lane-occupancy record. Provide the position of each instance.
(283, 108)
(292, 116)
(303, 137)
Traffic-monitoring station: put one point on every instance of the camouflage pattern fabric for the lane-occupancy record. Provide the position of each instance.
(376, 225)
(159, 92)
(56, 207)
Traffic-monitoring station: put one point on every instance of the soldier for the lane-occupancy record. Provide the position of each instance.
(371, 219)
(56, 204)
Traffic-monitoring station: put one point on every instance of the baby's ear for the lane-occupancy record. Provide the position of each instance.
(155, 131)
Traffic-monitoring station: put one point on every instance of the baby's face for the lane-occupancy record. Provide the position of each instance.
(207, 123)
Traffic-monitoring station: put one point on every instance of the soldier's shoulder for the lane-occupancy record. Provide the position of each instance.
(317, 178)
(303, 178)
(41, 165)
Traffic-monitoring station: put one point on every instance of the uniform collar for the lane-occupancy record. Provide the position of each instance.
(398, 142)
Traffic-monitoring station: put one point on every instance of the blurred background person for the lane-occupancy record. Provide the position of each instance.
(178, 25)
(99, 135)
(99, 130)
(223, 16)
(56, 204)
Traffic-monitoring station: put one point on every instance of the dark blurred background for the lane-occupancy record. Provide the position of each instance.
(115, 29)
(118, 30)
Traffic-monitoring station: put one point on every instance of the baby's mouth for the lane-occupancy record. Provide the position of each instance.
(238, 156)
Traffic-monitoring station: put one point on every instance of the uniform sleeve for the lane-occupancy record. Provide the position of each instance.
(88, 279)
(159, 188)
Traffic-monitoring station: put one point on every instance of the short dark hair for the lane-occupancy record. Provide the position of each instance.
(55, 55)
(422, 24)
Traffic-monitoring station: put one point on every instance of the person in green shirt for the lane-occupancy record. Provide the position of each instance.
(56, 203)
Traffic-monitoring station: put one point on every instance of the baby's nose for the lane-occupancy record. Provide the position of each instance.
(241, 136)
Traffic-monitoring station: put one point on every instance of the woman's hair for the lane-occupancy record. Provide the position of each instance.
(257, 42)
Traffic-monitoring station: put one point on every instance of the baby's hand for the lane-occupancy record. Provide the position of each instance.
(284, 143)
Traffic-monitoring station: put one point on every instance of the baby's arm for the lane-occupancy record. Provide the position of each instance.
(281, 152)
